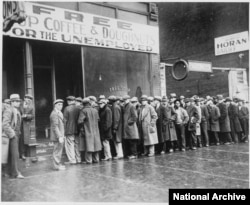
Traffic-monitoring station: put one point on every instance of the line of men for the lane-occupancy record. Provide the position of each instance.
(115, 128)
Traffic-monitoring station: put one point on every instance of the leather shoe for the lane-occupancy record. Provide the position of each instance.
(106, 159)
(20, 176)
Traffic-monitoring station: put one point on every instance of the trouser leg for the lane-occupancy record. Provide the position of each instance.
(106, 146)
(77, 152)
(13, 157)
(205, 133)
(133, 147)
(57, 154)
(88, 157)
(151, 149)
(70, 148)
(192, 139)
(118, 148)
(216, 137)
(95, 156)
(21, 146)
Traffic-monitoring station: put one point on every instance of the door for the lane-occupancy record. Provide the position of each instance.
(43, 99)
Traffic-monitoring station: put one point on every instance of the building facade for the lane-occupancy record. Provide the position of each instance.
(209, 32)
(80, 49)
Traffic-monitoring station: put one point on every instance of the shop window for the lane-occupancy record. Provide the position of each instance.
(133, 17)
(97, 9)
(241, 77)
(115, 72)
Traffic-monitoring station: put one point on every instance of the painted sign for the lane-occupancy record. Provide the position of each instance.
(231, 43)
(66, 26)
(200, 66)
(13, 12)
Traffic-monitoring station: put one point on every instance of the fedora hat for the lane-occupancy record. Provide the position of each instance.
(15, 97)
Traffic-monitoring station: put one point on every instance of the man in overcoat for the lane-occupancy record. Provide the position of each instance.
(71, 114)
(204, 123)
(57, 134)
(224, 121)
(213, 122)
(193, 119)
(90, 135)
(105, 126)
(147, 126)
(244, 119)
(116, 127)
(27, 112)
(160, 123)
(233, 112)
(11, 129)
(130, 130)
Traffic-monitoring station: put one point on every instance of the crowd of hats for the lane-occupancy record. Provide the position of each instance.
(103, 100)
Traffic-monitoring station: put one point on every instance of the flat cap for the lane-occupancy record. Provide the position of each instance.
(228, 99)
(197, 100)
(102, 101)
(70, 98)
(150, 99)
(172, 95)
(112, 98)
(157, 98)
(189, 100)
(93, 98)
(144, 97)
(126, 97)
(164, 99)
(219, 97)
(182, 97)
(58, 101)
(102, 97)
(7, 101)
(79, 99)
(134, 99)
(15, 97)
(85, 101)
(28, 96)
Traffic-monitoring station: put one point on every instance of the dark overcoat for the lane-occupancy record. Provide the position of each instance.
(233, 112)
(71, 114)
(194, 117)
(161, 123)
(130, 130)
(147, 125)
(117, 122)
(56, 125)
(90, 140)
(27, 122)
(213, 122)
(169, 128)
(244, 113)
(224, 117)
(105, 124)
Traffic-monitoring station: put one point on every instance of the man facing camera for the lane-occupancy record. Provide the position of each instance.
(57, 134)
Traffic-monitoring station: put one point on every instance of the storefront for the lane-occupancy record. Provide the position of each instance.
(58, 52)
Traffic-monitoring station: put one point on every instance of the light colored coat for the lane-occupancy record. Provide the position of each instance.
(147, 124)
(213, 122)
(56, 125)
(130, 130)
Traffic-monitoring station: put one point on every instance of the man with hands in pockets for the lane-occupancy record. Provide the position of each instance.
(57, 134)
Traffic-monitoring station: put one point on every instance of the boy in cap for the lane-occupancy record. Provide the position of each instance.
(244, 120)
(71, 114)
(57, 134)
(11, 127)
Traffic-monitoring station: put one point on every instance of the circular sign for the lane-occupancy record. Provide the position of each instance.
(179, 70)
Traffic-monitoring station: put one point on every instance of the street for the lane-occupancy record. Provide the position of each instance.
(146, 179)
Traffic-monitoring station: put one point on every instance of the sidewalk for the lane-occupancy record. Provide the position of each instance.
(145, 179)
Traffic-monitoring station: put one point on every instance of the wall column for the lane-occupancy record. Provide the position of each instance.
(29, 89)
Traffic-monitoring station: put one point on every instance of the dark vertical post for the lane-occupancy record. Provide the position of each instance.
(29, 88)
(83, 71)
